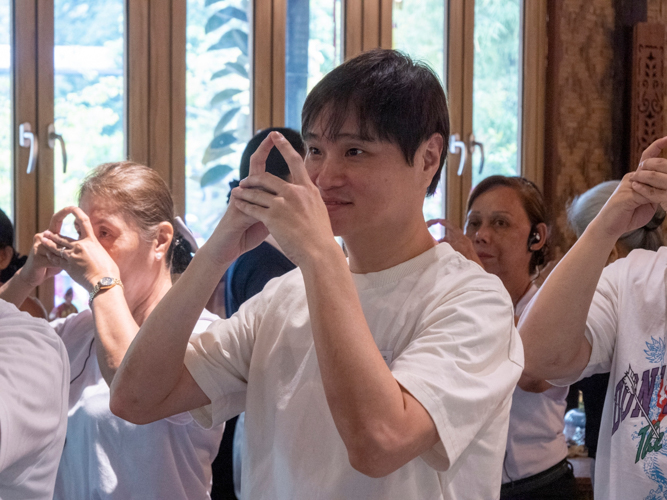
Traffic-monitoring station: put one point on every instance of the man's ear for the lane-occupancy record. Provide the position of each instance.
(165, 233)
(431, 151)
(6, 255)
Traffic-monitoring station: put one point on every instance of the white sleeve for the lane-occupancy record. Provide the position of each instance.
(601, 324)
(219, 361)
(34, 380)
(462, 367)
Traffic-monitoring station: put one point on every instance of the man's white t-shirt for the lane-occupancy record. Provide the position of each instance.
(108, 458)
(626, 327)
(535, 440)
(446, 330)
(34, 382)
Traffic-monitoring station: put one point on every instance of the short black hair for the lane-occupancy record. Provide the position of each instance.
(394, 99)
(6, 231)
(275, 163)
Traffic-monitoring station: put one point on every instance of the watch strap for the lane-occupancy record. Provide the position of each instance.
(104, 284)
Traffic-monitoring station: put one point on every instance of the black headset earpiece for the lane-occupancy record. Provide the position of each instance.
(533, 238)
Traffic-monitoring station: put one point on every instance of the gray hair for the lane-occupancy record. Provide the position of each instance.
(585, 207)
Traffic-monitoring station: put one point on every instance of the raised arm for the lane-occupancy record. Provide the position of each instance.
(87, 262)
(382, 425)
(34, 272)
(553, 327)
(152, 381)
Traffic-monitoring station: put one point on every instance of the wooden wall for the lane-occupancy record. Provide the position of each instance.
(588, 97)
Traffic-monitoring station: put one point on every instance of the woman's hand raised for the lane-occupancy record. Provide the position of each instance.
(457, 239)
(38, 268)
(85, 259)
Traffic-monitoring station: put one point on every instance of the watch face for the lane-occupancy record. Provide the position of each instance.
(106, 281)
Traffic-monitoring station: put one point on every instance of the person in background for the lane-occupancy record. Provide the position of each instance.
(506, 232)
(125, 256)
(66, 308)
(245, 278)
(581, 211)
(388, 376)
(11, 261)
(34, 385)
(589, 317)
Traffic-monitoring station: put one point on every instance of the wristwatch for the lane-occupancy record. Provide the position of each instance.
(103, 284)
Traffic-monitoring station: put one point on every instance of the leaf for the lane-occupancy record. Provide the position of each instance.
(232, 39)
(214, 175)
(214, 22)
(221, 73)
(213, 154)
(222, 141)
(243, 60)
(226, 118)
(237, 68)
(223, 95)
(223, 16)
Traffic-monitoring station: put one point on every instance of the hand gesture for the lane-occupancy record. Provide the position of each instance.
(293, 212)
(38, 268)
(650, 179)
(85, 259)
(636, 198)
(457, 239)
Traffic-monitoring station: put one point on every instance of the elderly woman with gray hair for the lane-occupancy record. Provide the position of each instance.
(585, 207)
(581, 211)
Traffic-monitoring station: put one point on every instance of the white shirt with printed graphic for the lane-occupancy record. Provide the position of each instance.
(626, 328)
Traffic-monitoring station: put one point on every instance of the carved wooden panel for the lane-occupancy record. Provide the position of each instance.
(648, 88)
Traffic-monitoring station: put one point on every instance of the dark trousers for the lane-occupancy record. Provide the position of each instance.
(563, 487)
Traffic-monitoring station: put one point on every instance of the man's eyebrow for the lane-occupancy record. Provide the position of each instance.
(345, 135)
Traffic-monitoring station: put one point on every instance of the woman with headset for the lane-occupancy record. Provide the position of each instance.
(506, 232)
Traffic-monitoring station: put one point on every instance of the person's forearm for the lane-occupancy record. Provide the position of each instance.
(366, 401)
(16, 290)
(154, 361)
(553, 327)
(115, 328)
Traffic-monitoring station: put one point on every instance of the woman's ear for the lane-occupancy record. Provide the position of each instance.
(6, 255)
(165, 233)
(542, 231)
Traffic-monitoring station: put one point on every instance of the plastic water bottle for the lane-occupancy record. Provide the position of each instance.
(575, 424)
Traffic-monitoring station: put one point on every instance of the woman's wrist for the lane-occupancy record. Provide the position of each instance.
(25, 281)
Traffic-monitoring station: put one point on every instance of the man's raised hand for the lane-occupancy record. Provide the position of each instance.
(293, 212)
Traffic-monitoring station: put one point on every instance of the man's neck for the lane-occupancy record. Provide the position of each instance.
(370, 253)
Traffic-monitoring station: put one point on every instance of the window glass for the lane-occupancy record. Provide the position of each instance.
(218, 122)
(89, 108)
(496, 86)
(313, 47)
(418, 29)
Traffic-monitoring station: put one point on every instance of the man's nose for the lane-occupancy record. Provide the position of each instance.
(327, 174)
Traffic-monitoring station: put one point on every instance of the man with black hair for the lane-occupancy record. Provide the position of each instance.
(388, 376)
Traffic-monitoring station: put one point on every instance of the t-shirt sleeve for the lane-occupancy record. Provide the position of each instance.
(219, 361)
(601, 325)
(462, 367)
(33, 393)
